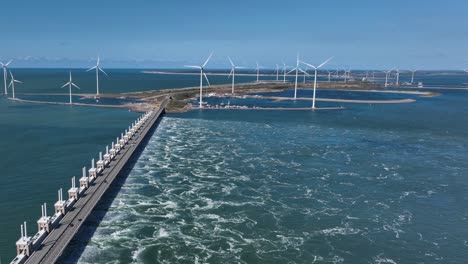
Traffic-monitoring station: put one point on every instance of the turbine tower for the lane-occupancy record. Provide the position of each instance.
(277, 72)
(233, 72)
(412, 75)
(284, 72)
(12, 84)
(70, 84)
(329, 75)
(386, 76)
(97, 75)
(297, 69)
(202, 74)
(315, 77)
(397, 77)
(4, 66)
(258, 69)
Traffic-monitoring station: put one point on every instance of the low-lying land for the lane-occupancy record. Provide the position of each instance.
(180, 98)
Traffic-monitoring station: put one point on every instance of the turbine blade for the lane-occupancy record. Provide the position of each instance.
(98, 59)
(65, 84)
(16, 81)
(103, 71)
(11, 83)
(325, 62)
(310, 65)
(191, 66)
(230, 73)
(8, 63)
(91, 68)
(206, 78)
(232, 63)
(304, 72)
(207, 60)
(76, 86)
(291, 71)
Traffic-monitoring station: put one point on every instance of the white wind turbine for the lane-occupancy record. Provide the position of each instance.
(233, 72)
(412, 75)
(12, 84)
(284, 72)
(386, 76)
(70, 84)
(315, 78)
(277, 72)
(397, 77)
(97, 75)
(329, 75)
(304, 75)
(297, 69)
(202, 74)
(258, 69)
(4, 66)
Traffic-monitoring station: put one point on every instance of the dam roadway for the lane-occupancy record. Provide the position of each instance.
(56, 242)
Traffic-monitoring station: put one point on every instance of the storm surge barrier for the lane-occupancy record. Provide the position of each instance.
(57, 230)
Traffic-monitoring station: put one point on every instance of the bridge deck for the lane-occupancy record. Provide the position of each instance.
(59, 238)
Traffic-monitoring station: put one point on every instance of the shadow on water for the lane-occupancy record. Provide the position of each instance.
(78, 244)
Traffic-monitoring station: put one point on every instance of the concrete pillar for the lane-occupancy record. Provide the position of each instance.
(60, 204)
(84, 180)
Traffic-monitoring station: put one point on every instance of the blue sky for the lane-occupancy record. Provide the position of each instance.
(359, 34)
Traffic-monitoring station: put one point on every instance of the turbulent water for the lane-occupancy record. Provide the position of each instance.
(367, 184)
(376, 184)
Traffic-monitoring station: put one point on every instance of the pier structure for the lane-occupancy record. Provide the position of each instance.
(57, 230)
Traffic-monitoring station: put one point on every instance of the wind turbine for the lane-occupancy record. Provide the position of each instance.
(97, 75)
(4, 66)
(345, 75)
(386, 76)
(397, 77)
(284, 72)
(202, 74)
(315, 78)
(12, 84)
(412, 75)
(70, 84)
(297, 69)
(304, 75)
(258, 69)
(277, 72)
(233, 72)
(329, 75)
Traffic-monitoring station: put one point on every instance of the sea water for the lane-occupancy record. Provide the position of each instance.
(367, 184)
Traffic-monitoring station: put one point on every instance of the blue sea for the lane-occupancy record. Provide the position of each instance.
(367, 184)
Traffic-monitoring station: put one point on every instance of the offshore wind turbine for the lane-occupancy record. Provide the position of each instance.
(4, 66)
(258, 69)
(202, 74)
(233, 72)
(297, 69)
(329, 75)
(397, 77)
(412, 75)
(284, 72)
(315, 77)
(277, 72)
(305, 74)
(386, 76)
(70, 84)
(12, 84)
(97, 75)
